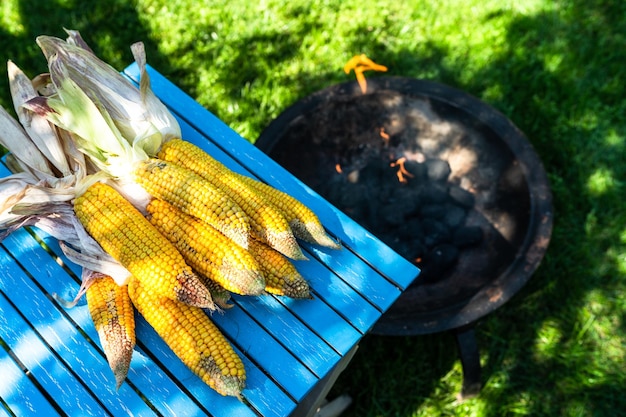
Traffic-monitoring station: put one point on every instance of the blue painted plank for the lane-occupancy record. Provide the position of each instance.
(55, 328)
(19, 393)
(288, 372)
(392, 265)
(339, 295)
(294, 335)
(324, 321)
(43, 365)
(3, 411)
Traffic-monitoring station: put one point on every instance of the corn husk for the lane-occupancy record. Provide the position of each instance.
(138, 114)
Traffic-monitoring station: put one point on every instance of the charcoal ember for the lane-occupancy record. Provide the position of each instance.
(392, 215)
(433, 211)
(362, 214)
(433, 193)
(411, 229)
(453, 215)
(437, 170)
(351, 196)
(418, 171)
(435, 232)
(462, 196)
(412, 250)
(374, 173)
(467, 236)
(438, 260)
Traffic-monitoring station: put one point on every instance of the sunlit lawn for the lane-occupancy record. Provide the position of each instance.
(555, 68)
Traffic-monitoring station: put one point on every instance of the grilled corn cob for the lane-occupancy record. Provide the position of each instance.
(207, 250)
(281, 276)
(267, 222)
(127, 236)
(193, 337)
(195, 196)
(303, 222)
(113, 316)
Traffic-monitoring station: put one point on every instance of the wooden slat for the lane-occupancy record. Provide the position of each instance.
(291, 333)
(43, 365)
(19, 393)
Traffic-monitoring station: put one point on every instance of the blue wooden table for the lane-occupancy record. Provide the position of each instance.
(51, 362)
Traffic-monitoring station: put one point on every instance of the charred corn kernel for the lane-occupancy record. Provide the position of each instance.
(126, 235)
(195, 196)
(207, 250)
(113, 317)
(193, 337)
(266, 221)
(281, 276)
(303, 221)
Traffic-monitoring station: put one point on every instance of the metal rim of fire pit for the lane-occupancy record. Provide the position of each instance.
(530, 253)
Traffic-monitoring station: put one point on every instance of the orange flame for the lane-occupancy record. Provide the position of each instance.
(361, 63)
(384, 135)
(402, 173)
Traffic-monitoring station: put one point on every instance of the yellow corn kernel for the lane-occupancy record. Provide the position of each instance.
(195, 196)
(207, 250)
(113, 317)
(193, 337)
(303, 221)
(281, 276)
(126, 235)
(266, 221)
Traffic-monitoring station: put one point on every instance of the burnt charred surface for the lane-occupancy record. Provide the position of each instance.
(442, 178)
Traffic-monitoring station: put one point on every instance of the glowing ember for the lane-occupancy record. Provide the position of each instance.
(402, 172)
(384, 135)
(361, 63)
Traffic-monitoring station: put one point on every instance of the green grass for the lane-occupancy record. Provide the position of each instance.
(555, 68)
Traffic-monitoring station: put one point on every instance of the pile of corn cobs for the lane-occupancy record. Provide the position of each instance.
(155, 222)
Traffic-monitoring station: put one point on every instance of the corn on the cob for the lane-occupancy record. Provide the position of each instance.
(126, 235)
(193, 337)
(195, 196)
(113, 317)
(281, 276)
(266, 221)
(207, 250)
(303, 221)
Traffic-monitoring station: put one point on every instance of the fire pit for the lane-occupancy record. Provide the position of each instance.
(441, 177)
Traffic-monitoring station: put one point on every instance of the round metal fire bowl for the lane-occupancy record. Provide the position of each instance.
(513, 202)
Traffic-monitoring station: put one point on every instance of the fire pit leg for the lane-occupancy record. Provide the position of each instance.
(470, 360)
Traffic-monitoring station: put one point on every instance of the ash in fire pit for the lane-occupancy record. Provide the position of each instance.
(439, 176)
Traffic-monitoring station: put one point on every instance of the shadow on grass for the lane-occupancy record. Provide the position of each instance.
(109, 27)
(557, 347)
